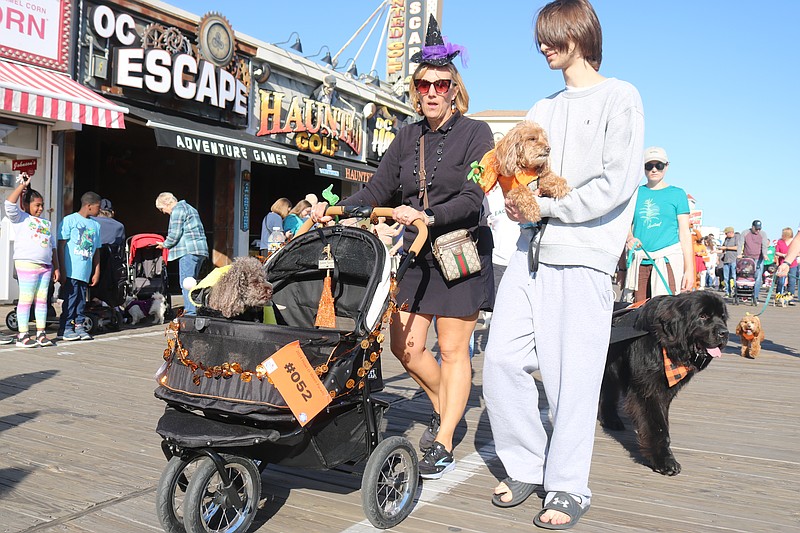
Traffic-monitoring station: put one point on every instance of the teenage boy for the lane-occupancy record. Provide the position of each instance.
(78, 242)
(596, 131)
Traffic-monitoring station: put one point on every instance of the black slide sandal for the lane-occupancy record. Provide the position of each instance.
(520, 491)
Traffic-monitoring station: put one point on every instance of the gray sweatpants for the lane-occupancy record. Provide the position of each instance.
(557, 321)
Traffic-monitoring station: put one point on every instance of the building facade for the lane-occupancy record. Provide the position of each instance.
(41, 105)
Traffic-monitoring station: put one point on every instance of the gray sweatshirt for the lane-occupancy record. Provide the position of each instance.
(597, 144)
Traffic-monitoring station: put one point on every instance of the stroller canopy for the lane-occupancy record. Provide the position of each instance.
(143, 240)
(361, 277)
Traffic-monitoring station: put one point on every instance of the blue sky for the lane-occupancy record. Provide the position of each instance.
(719, 80)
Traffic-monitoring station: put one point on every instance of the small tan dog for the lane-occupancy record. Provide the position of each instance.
(520, 162)
(751, 335)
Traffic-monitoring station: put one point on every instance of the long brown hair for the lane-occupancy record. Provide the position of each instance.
(564, 21)
(299, 206)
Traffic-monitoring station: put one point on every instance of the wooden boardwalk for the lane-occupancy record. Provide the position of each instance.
(79, 454)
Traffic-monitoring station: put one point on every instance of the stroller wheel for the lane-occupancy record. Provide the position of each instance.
(90, 323)
(211, 507)
(11, 320)
(171, 493)
(115, 322)
(390, 482)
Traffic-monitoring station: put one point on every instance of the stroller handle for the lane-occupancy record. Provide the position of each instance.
(366, 212)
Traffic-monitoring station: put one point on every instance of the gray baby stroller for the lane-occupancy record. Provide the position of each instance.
(744, 287)
(225, 419)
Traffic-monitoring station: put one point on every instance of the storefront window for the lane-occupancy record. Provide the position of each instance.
(19, 141)
(15, 136)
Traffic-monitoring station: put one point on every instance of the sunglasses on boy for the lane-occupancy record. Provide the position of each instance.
(658, 166)
(441, 86)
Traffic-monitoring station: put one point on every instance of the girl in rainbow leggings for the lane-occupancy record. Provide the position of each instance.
(34, 260)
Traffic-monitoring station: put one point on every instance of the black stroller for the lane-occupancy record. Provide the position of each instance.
(103, 312)
(225, 421)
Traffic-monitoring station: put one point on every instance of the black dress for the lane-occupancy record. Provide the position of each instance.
(455, 202)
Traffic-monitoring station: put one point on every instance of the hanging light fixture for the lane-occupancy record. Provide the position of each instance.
(352, 70)
(326, 58)
(373, 78)
(297, 46)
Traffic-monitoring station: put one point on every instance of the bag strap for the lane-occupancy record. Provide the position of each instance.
(423, 184)
(422, 173)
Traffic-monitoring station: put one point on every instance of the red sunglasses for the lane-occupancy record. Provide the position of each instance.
(441, 86)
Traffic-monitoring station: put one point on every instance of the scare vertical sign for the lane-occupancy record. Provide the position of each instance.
(407, 24)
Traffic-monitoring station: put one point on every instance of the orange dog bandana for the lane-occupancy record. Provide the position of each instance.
(674, 372)
(748, 336)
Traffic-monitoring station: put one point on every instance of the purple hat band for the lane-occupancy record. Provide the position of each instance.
(444, 51)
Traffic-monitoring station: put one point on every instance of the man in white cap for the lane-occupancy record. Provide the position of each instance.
(660, 228)
(730, 253)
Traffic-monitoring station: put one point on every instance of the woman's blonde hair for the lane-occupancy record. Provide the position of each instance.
(299, 206)
(462, 97)
(787, 233)
(282, 206)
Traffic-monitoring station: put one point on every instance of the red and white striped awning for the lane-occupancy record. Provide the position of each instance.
(46, 94)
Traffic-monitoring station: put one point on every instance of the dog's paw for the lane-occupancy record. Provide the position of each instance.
(554, 186)
(526, 202)
(668, 466)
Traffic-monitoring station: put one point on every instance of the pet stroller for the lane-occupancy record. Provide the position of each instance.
(744, 288)
(225, 419)
(102, 312)
(147, 268)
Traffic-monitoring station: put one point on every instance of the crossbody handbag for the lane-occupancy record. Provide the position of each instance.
(455, 251)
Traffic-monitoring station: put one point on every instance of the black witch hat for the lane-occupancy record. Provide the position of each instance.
(437, 51)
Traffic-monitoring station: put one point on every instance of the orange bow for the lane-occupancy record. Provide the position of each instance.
(674, 372)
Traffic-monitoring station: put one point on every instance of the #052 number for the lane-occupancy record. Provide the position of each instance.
(301, 386)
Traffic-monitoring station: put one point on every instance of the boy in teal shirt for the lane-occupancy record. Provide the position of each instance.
(78, 242)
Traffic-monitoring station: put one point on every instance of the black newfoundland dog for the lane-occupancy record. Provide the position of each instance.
(675, 335)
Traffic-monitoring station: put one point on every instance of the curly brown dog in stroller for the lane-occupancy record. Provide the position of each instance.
(226, 419)
(744, 288)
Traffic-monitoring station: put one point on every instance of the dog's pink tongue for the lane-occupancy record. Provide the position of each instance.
(714, 352)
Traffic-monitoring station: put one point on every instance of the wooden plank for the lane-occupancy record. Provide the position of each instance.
(79, 454)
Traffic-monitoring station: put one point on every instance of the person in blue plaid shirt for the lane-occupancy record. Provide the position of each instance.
(186, 241)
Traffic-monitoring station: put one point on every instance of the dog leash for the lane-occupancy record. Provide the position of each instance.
(655, 266)
(769, 295)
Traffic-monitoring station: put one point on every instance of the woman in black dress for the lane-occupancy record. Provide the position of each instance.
(452, 143)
